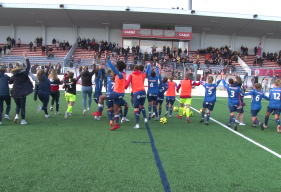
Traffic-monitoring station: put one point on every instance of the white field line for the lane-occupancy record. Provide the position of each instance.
(241, 135)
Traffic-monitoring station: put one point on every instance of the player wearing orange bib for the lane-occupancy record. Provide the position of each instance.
(117, 94)
(185, 95)
(170, 96)
(139, 95)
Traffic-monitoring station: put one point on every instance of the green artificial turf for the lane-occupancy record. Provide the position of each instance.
(82, 154)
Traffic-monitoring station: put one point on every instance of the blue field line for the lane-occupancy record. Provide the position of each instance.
(244, 111)
(139, 142)
(161, 170)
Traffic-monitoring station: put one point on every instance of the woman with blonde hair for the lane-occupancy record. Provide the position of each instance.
(87, 89)
(55, 93)
(42, 90)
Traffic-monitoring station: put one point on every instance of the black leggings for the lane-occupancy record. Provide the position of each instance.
(55, 97)
(44, 98)
(7, 99)
(20, 102)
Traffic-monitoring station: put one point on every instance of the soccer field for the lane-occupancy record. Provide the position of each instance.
(82, 154)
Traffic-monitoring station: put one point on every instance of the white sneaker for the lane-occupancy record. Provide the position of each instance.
(39, 108)
(65, 115)
(70, 113)
(7, 117)
(84, 112)
(51, 108)
(166, 113)
(57, 113)
(170, 116)
(264, 126)
(242, 124)
(88, 109)
(100, 116)
(47, 116)
(237, 121)
(0, 123)
(137, 126)
(145, 120)
(124, 119)
(23, 122)
(16, 119)
(97, 118)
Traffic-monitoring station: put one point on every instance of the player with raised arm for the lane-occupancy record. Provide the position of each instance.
(170, 96)
(257, 96)
(152, 92)
(117, 94)
(139, 95)
(185, 95)
(210, 98)
(233, 99)
(109, 103)
(274, 104)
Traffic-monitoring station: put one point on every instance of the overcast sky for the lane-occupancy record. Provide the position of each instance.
(261, 7)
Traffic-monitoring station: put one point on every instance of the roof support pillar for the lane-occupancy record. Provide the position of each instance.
(202, 40)
(12, 30)
(232, 42)
(43, 28)
(106, 33)
(75, 33)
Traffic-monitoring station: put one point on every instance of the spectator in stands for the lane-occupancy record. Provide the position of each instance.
(58, 68)
(8, 40)
(34, 68)
(79, 41)
(47, 50)
(242, 50)
(57, 45)
(9, 48)
(13, 42)
(19, 42)
(67, 45)
(1, 51)
(43, 50)
(261, 61)
(30, 46)
(256, 50)
(34, 45)
(268, 56)
(54, 42)
(63, 45)
(79, 60)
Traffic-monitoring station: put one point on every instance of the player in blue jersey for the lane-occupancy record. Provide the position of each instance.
(109, 103)
(233, 99)
(240, 109)
(257, 96)
(153, 88)
(98, 85)
(274, 104)
(163, 87)
(210, 98)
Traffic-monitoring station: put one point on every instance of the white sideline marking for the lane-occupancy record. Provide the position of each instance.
(241, 135)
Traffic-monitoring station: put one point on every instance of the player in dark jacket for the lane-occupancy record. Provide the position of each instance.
(4, 94)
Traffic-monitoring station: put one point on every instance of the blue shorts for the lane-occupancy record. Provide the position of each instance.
(152, 97)
(276, 111)
(232, 109)
(254, 113)
(139, 98)
(170, 99)
(109, 104)
(115, 97)
(97, 96)
(160, 99)
(131, 94)
(240, 109)
(209, 106)
(122, 102)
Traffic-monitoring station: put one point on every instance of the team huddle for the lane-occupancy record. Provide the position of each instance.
(117, 82)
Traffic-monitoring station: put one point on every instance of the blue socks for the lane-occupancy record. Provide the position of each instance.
(203, 114)
(266, 120)
(208, 117)
(277, 121)
(171, 110)
(160, 110)
(143, 112)
(137, 117)
(100, 107)
(116, 119)
(167, 107)
(109, 114)
(155, 110)
(125, 111)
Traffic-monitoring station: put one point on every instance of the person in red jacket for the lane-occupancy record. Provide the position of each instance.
(185, 95)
